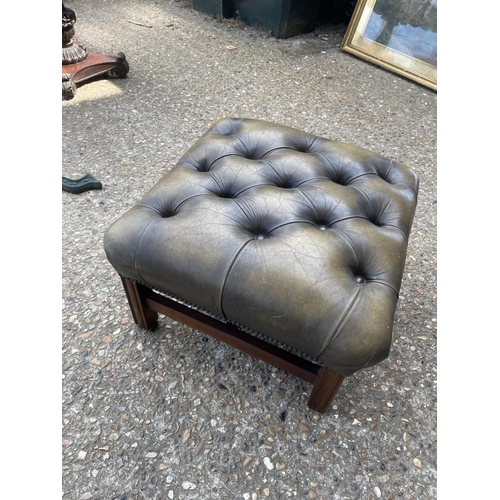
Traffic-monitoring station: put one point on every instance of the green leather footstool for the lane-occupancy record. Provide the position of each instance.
(285, 245)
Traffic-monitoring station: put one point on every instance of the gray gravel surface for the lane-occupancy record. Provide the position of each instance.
(172, 414)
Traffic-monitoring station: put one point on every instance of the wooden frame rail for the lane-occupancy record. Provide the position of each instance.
(145, 305)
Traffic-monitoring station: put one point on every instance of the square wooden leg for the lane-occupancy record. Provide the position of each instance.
(324, 389)
(143, 316)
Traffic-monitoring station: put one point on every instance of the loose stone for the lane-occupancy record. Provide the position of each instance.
(268, 463)
(186, 435)
(187, 485)
(199, 448)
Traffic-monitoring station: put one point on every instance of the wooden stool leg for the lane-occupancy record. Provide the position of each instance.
(326, 386)
(143, 316)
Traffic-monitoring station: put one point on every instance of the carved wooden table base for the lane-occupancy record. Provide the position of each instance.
(78, 64)
(93, 65)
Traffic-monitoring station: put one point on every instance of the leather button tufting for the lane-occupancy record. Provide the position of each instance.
(165, 215)
(198, 235)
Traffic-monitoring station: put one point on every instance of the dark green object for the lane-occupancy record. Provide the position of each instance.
(285, 18)
(216, 8)
(85, 183)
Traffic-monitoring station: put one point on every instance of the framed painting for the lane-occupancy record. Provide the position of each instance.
(399, 35)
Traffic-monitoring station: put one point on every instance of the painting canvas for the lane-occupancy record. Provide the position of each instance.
(399, 35)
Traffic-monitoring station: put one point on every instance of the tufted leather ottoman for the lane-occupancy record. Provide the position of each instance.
(288, 246)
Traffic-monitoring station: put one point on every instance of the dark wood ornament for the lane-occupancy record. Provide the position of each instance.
(80, 64)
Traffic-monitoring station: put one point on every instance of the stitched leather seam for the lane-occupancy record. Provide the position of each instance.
(137, 246)
(340, 322)
(227, 276)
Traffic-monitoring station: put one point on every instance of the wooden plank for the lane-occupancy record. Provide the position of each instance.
(145, 304)
(231, 335)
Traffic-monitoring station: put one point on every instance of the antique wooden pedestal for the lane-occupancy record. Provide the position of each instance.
(79, 64)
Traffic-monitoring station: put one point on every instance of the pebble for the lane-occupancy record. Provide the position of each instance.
(199, 448)
(186, 435)
(187, 485)
(377, 491)
(267, 462)
(151, 454)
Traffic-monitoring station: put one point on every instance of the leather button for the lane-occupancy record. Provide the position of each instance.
(260, 237)
(360, 280)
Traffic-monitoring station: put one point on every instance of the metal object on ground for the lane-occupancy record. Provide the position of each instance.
(85, 183)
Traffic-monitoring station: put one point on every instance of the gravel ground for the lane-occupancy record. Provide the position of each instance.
(172, 414)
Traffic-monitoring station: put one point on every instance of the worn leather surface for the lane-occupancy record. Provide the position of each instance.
(298, 237)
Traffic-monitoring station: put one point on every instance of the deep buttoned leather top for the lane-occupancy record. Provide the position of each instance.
(297, 237)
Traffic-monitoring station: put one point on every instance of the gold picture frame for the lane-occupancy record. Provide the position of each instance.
(398, 35)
